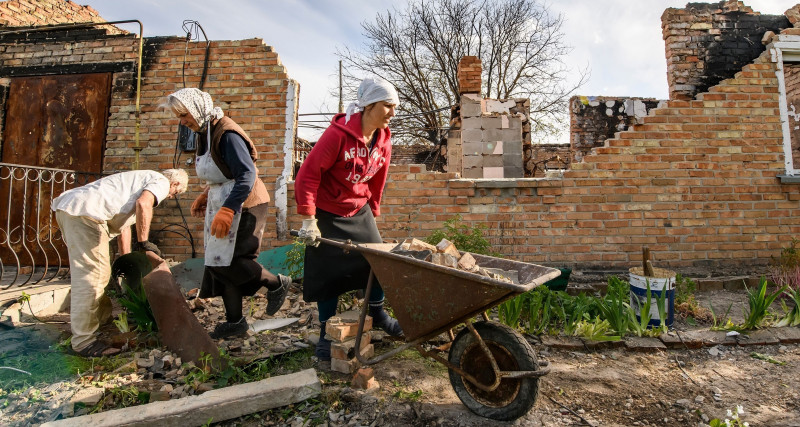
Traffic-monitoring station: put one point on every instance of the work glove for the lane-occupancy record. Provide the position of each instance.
(310, 232)
(221, 225)
(147, 246)
(198, 208)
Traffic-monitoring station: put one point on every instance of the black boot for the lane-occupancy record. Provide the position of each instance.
(229, 329)
(323, 348)
(381, 319)
(276, 297)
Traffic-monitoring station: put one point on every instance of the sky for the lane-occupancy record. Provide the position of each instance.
(619, 41)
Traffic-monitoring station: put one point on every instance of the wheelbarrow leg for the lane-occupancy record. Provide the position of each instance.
(363, 317)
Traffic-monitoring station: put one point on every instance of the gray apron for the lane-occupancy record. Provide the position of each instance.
(219, 252)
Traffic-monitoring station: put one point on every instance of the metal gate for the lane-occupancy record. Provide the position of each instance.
(54, 127)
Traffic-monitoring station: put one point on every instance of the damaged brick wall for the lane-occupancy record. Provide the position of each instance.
(594, 119)
(245, 78)
(29, 13)
(486, 141)
(695, 182)
(541, 158)
(708, 42)
(791, 75)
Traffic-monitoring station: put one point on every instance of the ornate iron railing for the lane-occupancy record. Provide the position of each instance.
(31, 247)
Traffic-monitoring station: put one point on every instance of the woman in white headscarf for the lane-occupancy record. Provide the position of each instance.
(234, 204)
(338, 191)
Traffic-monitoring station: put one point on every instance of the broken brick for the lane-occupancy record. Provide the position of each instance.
(346, 349)
(338, 329)
(447, 247)
(347, 366)
(446, 260)
(467, 262)
(364, 379)
(419, 245)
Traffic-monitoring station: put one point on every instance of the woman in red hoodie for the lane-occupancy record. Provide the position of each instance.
(338, 191)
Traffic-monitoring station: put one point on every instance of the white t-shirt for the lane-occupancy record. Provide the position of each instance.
(112, 199)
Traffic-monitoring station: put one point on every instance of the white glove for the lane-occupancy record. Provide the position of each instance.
(310, 232)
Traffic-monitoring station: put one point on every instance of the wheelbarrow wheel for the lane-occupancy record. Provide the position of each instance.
(514, 397)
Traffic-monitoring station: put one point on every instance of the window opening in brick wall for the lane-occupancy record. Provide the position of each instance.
(791, 75)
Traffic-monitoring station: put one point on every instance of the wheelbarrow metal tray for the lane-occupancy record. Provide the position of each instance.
(429, 299)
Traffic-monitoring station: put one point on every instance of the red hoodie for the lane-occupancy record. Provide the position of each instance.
(341, 174)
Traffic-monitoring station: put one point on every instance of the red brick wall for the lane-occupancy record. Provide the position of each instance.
(27, 13)
(696, 182)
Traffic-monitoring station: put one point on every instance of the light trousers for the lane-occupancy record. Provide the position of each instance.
(87, 243)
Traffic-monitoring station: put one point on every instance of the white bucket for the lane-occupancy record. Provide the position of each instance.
(662, 281)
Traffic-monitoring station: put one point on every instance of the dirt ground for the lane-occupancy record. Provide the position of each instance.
(606, 386)
(609, 387)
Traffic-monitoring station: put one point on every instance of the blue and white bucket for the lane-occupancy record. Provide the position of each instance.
(661, 281)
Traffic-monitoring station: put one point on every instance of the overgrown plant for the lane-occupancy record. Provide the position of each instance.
(295, 259)
(786, 268)
(792, 316)
(759, 302)
(614, 307)
(723, 323)
(596, 330)
(135, 302)
(466, 238)
(121, 322)
(640, 327)
(510, 311)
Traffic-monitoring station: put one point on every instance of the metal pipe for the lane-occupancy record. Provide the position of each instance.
(136, 147)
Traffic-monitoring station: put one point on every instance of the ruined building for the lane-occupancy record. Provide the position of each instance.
(706, 178)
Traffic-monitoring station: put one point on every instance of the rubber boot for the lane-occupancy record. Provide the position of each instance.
(323, 348)
(381, 319)
(229, 329)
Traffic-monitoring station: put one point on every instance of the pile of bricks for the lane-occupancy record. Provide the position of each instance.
(446, 254)
(342, 333)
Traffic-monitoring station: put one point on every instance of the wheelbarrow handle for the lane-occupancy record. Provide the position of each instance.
(343, 244)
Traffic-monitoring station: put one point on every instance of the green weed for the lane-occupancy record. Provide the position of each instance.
(412, 396)
(466, 238)
(135, 302)
(792, 316)
(295, 259)
(759, 303)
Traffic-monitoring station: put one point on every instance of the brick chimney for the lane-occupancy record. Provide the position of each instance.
(469, 75)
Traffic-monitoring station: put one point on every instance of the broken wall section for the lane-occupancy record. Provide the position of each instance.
(492, 133)
(594, 119)
(709, 42)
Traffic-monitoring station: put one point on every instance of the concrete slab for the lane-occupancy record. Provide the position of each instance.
(758, 337)
(568, 343)
(644, 344)
(47, 298)
(788, 335)
(217, 405)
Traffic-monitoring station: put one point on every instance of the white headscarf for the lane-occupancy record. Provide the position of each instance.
(370, 91)
(199, 104)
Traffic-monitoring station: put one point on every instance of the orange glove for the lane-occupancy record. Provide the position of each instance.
(221, 224)
(198, 208)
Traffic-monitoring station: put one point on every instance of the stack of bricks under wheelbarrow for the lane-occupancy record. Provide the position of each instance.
(342, 333)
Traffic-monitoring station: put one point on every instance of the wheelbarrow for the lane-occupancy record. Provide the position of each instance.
(492, 367)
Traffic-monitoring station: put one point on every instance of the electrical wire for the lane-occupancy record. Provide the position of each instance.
(193, 29)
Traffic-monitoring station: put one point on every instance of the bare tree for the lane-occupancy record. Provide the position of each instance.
(418, 49)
